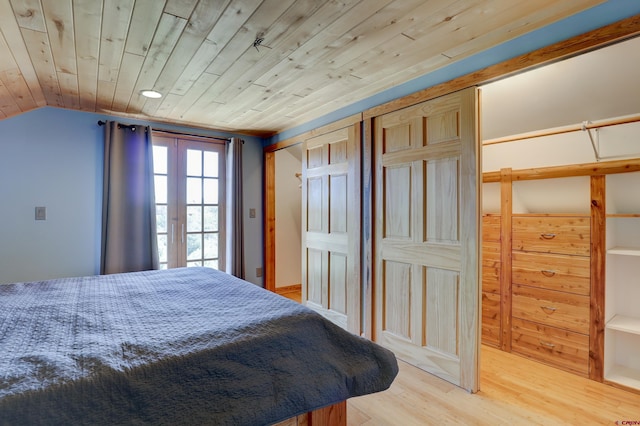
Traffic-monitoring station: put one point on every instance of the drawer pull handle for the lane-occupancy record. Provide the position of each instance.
(547, 344)
(547, 236)
(548, 272)
(548, 308)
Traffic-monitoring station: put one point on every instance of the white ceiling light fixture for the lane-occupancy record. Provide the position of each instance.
(151, 94)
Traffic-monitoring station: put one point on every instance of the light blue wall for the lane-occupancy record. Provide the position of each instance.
(591, 19)
(53, 157)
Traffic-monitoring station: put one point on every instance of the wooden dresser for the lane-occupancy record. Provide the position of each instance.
(550, 290)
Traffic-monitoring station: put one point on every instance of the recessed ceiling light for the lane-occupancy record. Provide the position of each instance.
(151, 94)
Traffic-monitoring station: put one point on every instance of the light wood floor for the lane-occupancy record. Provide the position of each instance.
(513, 391)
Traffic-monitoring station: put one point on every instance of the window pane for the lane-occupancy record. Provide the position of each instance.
(160, 183)
(210, 164)
(161, 218)
(211, 191)
(194, 162)
(211, 245)
(194, 219)
(194, 246)
(211, 218)
(160, 159)
(164, 266)
(194, 191)
(198, 263)
(211, 264)
(162, 248)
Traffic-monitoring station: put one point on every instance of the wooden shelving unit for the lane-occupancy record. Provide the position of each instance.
(622, 329)
(625, 324)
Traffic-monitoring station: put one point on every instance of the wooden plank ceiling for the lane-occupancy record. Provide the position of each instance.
(314, 56)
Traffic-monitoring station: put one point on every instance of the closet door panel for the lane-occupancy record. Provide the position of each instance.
(331, 226)
(427, 289)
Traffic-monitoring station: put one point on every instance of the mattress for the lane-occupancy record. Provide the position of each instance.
(181, 346)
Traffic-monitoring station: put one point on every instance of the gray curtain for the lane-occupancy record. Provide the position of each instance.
(129, 241)
(234, 226)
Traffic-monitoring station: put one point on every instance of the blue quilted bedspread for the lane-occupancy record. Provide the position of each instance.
(183, 346)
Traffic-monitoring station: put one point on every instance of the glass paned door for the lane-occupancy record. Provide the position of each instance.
(189, 182)
(203, 207)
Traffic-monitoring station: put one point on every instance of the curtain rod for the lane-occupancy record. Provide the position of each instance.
(174, 132)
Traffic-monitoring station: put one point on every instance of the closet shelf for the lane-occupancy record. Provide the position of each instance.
(625, 324)
(625, 251)
(622, 215)
(624, 376)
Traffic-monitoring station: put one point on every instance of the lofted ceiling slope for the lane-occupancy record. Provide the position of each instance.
(247, 66)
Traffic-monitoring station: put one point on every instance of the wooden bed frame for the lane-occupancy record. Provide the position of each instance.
(333, 415)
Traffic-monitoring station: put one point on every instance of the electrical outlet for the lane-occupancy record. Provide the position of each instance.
(258, 272)
(41, 213)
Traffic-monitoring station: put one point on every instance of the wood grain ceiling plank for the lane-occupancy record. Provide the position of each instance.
(87, 16)
(237, 96)
(231, 22)
(129, 71)
(188, 99)
(396, 19)
(115, 26)
(180, 8)
(58, 16)
(168, 104)
(269, 14)
(13, 79)
(11, 32)
(358, 37)
(17, 86)
(517, 20)
(8, 106)
(167, 35)
(348, 16)
(200, 24)
(144, 21)
(69, 90)
(239, 53)
(104, 96)
(40, 52)
(248, 92)
(28, 14)
(142, 27)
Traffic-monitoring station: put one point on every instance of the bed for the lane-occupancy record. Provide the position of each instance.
(181, 346)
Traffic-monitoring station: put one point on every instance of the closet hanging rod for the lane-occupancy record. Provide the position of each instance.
(566, 129)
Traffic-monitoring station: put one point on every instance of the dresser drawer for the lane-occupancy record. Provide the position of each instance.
(555, 308)
(552, 234)
(551, 271)
(491, 319)
(553, 346)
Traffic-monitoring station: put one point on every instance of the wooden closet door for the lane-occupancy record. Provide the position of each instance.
(331, 226)
(427, 292)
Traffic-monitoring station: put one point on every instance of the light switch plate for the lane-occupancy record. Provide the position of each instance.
(252, 213)
(41, 213)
